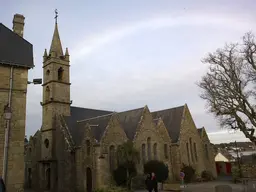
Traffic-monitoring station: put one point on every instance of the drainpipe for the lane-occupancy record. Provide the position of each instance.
(7, 131)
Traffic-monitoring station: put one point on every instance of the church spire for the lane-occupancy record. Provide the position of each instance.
(56, 47)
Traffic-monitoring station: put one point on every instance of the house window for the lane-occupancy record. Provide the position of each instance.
(112, 157)
(195, 151)
(188, 153)
(88, 147)
(149, 148)
(191, 150)
(143, 153)
(60, 74)
(155, 151)
(165, 151)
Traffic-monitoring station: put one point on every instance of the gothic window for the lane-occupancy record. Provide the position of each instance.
(165, 151)
(46, 143)
(112, 157)
(47, 94)
(88, 147)
(149, 148)
(188, 153)
(60, 74)
(170, 152)
(48, 72)
(191, 150)
(195, 151)
(155, 151)
(143, 153)
(206, 151)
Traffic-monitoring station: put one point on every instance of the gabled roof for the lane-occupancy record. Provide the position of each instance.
(77, 114)
(129, 121)
(98, 126)
(14, 50)
(172, 119)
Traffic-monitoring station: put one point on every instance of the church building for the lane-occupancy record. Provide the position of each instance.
(75, 148)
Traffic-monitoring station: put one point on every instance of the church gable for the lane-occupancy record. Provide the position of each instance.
(114, 134)
(172, 119)
(160, 126)
(129, 121)
(97, 127)
(80, 114)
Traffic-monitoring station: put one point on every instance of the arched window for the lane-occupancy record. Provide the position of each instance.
(47, 93)
(149, 148)
(88, 147)
(191, 150)
(188, 152)
(48, 72)
(112, 157)
(46, 143)
(170, 152)
(155, 151)
(195, 151)
(165, 151)
(143, 153)
(60, 74)
(206, 151)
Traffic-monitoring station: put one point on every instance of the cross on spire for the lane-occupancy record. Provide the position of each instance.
(56, 16)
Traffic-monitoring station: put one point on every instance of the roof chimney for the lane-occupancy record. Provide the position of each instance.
(18, 24)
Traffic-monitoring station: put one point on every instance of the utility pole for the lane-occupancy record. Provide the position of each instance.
(238, 160)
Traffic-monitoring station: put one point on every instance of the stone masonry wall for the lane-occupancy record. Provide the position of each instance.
(189, 130)
(15, 175)
(249, 170)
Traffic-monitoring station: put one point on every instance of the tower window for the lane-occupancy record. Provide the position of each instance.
(46, 143)
(60, 74)
(48, 72)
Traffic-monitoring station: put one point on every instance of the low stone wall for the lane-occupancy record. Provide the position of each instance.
(249, 170)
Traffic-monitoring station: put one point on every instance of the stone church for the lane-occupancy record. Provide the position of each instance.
(75, 148)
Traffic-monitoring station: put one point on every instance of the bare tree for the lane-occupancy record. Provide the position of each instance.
(229, 85)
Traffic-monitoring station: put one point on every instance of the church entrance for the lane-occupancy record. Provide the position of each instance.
(29, 178)
(88, 179)
(48, 179)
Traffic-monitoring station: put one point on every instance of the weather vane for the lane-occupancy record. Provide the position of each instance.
(56, 15)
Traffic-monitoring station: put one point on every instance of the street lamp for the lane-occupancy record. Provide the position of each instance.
(35, 81)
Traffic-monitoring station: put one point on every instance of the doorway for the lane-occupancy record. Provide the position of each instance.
(88, 179)
(29, 178)
(48, 179)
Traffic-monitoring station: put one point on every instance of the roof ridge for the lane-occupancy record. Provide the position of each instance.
(91, 109)
(97, 117)
(141, 108)
(16, 34)
(169, 108)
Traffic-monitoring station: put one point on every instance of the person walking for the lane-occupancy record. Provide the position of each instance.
(148, 183)
(154, 182)
(2, 185)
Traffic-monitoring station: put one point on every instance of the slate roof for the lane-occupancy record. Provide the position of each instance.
(14, 50)
(172, 119)
(129, 121)
(77, 114)
(98, 127)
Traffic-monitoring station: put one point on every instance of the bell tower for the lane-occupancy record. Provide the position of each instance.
(56, 91)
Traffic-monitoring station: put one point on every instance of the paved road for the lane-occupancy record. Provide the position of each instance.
(210, 187)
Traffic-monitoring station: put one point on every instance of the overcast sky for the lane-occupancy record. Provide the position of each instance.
(128, 54)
